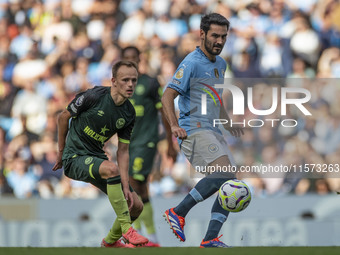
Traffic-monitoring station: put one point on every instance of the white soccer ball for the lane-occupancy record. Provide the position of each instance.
(234, 195)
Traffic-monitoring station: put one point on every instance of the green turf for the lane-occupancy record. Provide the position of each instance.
(174, 251)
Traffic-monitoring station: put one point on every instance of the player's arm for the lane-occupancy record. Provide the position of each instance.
(157, 95)
(80, 103)
(179, 85)
(63, 120)
(171, 149)
(169, 111)
(234, 131)
(123, 165)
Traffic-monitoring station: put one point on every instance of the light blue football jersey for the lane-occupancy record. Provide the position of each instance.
(195, 80)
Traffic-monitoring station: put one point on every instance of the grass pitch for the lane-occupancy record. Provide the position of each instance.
(174, 251)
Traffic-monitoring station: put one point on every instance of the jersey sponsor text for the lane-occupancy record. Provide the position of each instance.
(94, 135)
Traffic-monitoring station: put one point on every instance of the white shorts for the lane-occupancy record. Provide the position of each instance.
(203, 147)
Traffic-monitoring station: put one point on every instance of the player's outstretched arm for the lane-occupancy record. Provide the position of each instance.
(63, 120)
(169, 111)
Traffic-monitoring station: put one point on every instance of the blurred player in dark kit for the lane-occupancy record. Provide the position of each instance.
(144, 139)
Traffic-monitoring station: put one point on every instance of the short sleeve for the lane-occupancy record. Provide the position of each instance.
(181, 79)
(81, 103)
(124, 135)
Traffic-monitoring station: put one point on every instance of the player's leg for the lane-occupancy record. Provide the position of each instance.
(146, 216)
(204, 188)
(137, 224)
(89, 169)
(136, 163)
(218, 217)
(109, 171)
(115, 232)
(218, 214)
(140, 166)
(201, 149)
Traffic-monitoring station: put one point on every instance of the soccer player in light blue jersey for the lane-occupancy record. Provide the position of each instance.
(202, 144)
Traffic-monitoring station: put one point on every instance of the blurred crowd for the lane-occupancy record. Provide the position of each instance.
(52, 49)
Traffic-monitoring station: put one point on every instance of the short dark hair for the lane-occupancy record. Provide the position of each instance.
(130, 48)
(213, 18)
(121, 63)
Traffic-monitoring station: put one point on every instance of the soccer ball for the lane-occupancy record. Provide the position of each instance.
(234, 195)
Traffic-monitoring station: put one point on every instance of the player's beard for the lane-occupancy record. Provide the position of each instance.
(209, 47)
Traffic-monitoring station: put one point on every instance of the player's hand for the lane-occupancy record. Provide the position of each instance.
(128, 197)
(59, 163)
(234, 131)
(178, 132)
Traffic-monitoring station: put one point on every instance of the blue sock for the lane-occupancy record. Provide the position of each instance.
(212, 183)
(203, 189)
(218, 217)
(188, 202)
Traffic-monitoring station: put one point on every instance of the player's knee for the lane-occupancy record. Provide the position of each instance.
(113, 172)
(137, 208)
(110, 172)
